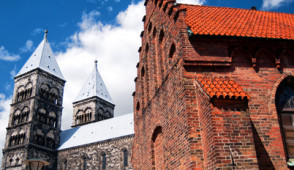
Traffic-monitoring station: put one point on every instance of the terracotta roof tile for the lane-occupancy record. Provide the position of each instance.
(206, 20)
(220, 87)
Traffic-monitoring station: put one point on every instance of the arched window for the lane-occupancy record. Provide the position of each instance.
(50, 142)
(157, 148)
(39, 137)
(64, 165)
(172, 51)
(150, 27)
(13, 139)
(29, 89)
(161, 36)
(100, 114)
(20, 94)
(125, 154)
(88, 115)
(147, 49)
(154, 32)
(84, 162)
(44, 91)
(53, 95)
(16, 117)
(103, 160)
(41, 115)
(142, 71)
(52, 120)
(285, 108)
(25, 114)
(79, 117)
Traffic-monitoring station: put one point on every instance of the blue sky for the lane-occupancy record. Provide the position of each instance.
(81, 31)
(23, 24)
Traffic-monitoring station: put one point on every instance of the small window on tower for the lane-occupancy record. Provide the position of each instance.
(172, 51)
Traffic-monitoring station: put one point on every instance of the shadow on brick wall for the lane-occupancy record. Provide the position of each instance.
(264, 161)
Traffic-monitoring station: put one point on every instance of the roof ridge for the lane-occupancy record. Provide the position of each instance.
(233, 8)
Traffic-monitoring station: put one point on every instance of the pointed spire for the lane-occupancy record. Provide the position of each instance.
(42, 58)
(96, 61)
(94, 86)
(45, 34)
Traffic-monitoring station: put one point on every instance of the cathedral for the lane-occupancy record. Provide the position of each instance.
(214, 90)
(96, 140)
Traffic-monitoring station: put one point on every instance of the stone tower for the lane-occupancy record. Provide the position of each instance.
(35, 116)
(93, 102)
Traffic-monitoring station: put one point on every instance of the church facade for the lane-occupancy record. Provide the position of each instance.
(214, 88)
(96, 140)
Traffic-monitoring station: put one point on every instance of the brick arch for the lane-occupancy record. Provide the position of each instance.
(265, 58)
(284, 104)
(157, 148)
(287, 59)
(241, 57)
(172, 50)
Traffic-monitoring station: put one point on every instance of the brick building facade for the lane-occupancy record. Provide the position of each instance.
(214, 88)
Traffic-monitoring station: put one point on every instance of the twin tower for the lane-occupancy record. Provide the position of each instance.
(35, 117)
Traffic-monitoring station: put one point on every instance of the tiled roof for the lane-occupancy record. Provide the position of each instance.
(94, 86)
(42, 58)
(222, 21)
(97, 132)
(220, 87)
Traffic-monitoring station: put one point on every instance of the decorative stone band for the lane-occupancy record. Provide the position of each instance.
(222, 87)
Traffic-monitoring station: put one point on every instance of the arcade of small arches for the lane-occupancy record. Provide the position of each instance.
(47, 140)
(20, 116)
(24, 92)
(49, 94)
(47, 118)
(85, 116)
(17, 138)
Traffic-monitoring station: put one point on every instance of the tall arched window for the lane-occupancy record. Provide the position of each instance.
(103, 160)
(16, 117)
(20, 94)
(44, 91)
(285, 108)
(29, 89)
(157, 148)
(125, 154)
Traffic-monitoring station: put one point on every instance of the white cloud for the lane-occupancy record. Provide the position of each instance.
(195, 2)
(115, 47)
(110, 9)
(27, 47)
(272, 4)
(5, 55)
(4, 116)
(13, 73)
(89, 20)
(37, 31)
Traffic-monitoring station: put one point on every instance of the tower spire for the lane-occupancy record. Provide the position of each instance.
(96, 61)
(45, 35)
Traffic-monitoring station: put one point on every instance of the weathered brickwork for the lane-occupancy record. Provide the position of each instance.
(179, 126)
(90, 156)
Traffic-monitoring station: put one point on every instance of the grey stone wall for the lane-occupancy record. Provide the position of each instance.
(90, 156)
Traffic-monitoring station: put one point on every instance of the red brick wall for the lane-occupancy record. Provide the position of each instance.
(199, 131)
